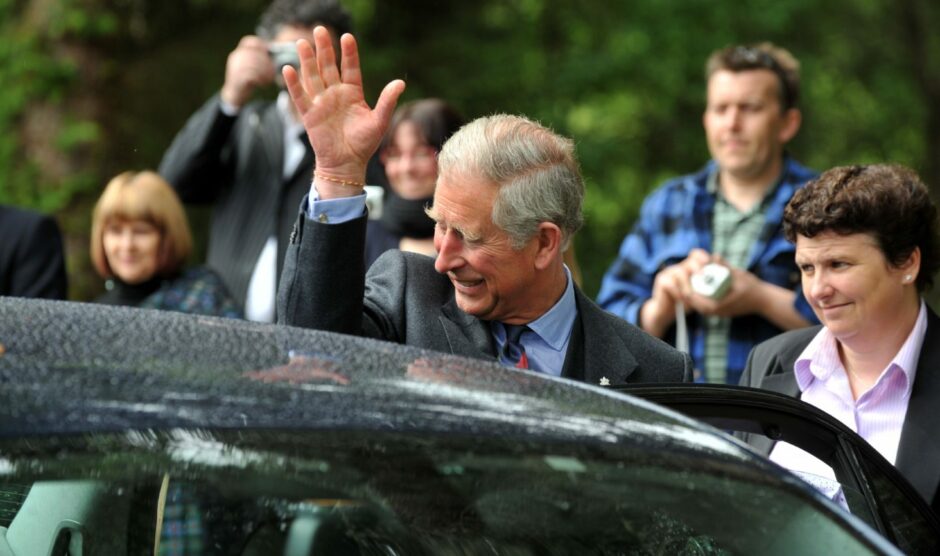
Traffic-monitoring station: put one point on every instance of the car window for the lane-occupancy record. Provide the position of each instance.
(852, 473)
(296, 492)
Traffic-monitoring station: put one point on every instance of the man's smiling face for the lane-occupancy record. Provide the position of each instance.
(491, 279)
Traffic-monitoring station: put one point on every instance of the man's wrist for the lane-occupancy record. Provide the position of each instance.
(336, 183)
(654, 318)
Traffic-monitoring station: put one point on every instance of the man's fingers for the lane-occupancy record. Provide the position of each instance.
(385, 106)
(326, 58)
(309, 77)
(295, 89)
(351, 73)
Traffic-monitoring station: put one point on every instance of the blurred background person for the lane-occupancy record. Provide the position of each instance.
(867, 248)
(32, 263)
(250, 159)
(140, 240)
(409, 154)
(728, 213)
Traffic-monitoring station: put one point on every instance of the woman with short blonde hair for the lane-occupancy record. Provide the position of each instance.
(140, 241)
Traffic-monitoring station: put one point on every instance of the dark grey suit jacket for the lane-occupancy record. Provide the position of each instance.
(770, 366)
(404, 300)
(236, 163)
(32, 262)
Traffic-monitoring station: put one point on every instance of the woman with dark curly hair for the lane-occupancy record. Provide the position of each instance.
(867, 248)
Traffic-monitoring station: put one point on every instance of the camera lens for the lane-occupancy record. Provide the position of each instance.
(284, 54)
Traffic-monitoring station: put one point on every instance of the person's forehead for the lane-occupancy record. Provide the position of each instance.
(829, 243)
(407, 135)
(742, 84)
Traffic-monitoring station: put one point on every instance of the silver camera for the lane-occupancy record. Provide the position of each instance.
(375, 199)
(284, 54)
(713, 281)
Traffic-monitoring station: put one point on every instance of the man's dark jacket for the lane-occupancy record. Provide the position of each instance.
(236, 163)
(404, 300)
(32, 262)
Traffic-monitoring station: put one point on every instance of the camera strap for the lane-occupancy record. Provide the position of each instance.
(682, 331)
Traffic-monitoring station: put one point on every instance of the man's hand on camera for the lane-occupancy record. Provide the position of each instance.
(248, 67)
(741, 299)
(670, 286)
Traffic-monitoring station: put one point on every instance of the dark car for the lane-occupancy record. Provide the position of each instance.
(128, 431)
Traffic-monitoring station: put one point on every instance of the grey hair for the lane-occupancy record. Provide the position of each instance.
(535, 169)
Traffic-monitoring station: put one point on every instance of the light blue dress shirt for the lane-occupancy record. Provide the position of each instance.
(546, 341)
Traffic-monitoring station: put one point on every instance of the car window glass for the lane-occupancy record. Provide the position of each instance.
(258, 492)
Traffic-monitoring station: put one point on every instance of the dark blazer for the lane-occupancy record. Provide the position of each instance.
(236, 163)
(404, 300)
(32, 263)
(770, 366)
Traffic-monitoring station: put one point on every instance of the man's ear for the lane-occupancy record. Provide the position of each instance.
(548, 245)
(792, 119)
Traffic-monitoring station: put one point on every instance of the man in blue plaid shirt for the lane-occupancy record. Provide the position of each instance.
(728, 213)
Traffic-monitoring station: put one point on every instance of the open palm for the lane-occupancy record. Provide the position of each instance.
(344, 132)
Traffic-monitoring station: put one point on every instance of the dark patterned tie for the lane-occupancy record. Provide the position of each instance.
(512, 353)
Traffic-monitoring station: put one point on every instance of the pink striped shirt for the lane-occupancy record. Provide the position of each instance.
(878, 413)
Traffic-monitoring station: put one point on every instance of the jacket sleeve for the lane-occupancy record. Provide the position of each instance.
(39, 267)
(202, 156)
(628, 282)
(323, 278)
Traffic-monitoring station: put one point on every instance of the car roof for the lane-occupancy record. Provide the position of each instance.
(79, 367)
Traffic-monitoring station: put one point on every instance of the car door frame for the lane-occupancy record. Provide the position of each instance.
(761, 417)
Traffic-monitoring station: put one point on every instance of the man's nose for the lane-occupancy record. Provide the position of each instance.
(734, 117)
(448, 252)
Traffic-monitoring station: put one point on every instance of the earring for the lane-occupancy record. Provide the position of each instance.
(908, 277)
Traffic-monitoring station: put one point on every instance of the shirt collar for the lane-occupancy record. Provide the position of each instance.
(820, 358)
(283, 104)
(555, 325)
(711, 186)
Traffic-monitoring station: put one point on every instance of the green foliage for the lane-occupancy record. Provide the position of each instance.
(623, 79)
(34, 76)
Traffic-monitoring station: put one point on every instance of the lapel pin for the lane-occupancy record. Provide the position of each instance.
(605, 381)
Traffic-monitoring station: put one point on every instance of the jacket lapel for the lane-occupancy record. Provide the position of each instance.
(466, 335)
(605, 355)
(271, 135)
(919, 450)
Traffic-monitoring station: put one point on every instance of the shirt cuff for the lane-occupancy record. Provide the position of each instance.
(335, 211)
(228, 109)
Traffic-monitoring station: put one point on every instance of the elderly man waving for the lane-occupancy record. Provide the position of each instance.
(508, 200)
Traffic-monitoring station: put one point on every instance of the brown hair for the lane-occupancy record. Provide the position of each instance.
(142, 196)
(889, 202)
(435, 120)
(764, 55)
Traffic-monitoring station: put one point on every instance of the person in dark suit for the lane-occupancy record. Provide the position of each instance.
(32, 263)
(508, 198)
(249, 158)
(867, 247)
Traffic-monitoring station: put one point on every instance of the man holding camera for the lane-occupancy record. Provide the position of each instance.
(706, 264)
(250, 159)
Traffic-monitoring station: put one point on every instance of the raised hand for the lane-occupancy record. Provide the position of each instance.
(344, 132)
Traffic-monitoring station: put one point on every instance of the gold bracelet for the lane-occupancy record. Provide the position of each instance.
(322, 176)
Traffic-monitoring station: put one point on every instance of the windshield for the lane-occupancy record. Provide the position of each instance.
(301, 492)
